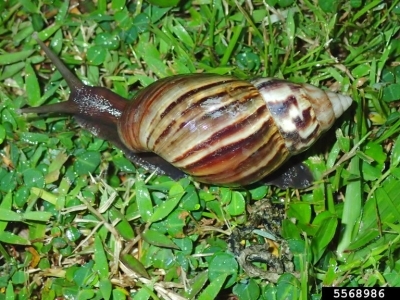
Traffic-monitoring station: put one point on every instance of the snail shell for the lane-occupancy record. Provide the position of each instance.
(218, 129)
(223, 130)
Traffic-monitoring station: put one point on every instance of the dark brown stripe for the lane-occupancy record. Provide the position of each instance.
(139, 108)
(158, 93)
(146, 100)
(191, 93)
(295, 87)
(274, 163)
(174, 121)
(163, 134)
(245, 88)
(143, 101)
(247, 92)
(302, 123)
(246, 95)
(235, 175)
(272, 84)
(227, 132)
(154, 91)
(281, 108)
(297, 139)
(201, 101)
(227, 152)
(201, 88)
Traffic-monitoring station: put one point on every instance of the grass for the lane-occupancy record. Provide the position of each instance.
(78, 220)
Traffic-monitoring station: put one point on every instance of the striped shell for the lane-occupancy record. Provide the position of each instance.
(226, 131)
(219, 129)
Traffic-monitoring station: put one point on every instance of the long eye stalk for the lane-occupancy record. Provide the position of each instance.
(71, 79)
(73, 82)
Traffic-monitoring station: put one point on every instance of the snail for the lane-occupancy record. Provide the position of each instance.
(217, 129)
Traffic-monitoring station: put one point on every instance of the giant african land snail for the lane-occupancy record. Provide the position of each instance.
(218, 129)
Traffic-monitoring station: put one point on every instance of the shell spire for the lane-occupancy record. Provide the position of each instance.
(340, 103)
(302, 112)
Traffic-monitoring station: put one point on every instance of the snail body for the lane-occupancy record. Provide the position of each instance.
(218, 129)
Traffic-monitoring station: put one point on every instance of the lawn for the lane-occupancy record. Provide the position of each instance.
(79, 220)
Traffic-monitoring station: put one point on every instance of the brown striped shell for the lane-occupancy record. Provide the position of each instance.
(227, 131)
(218, 129)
